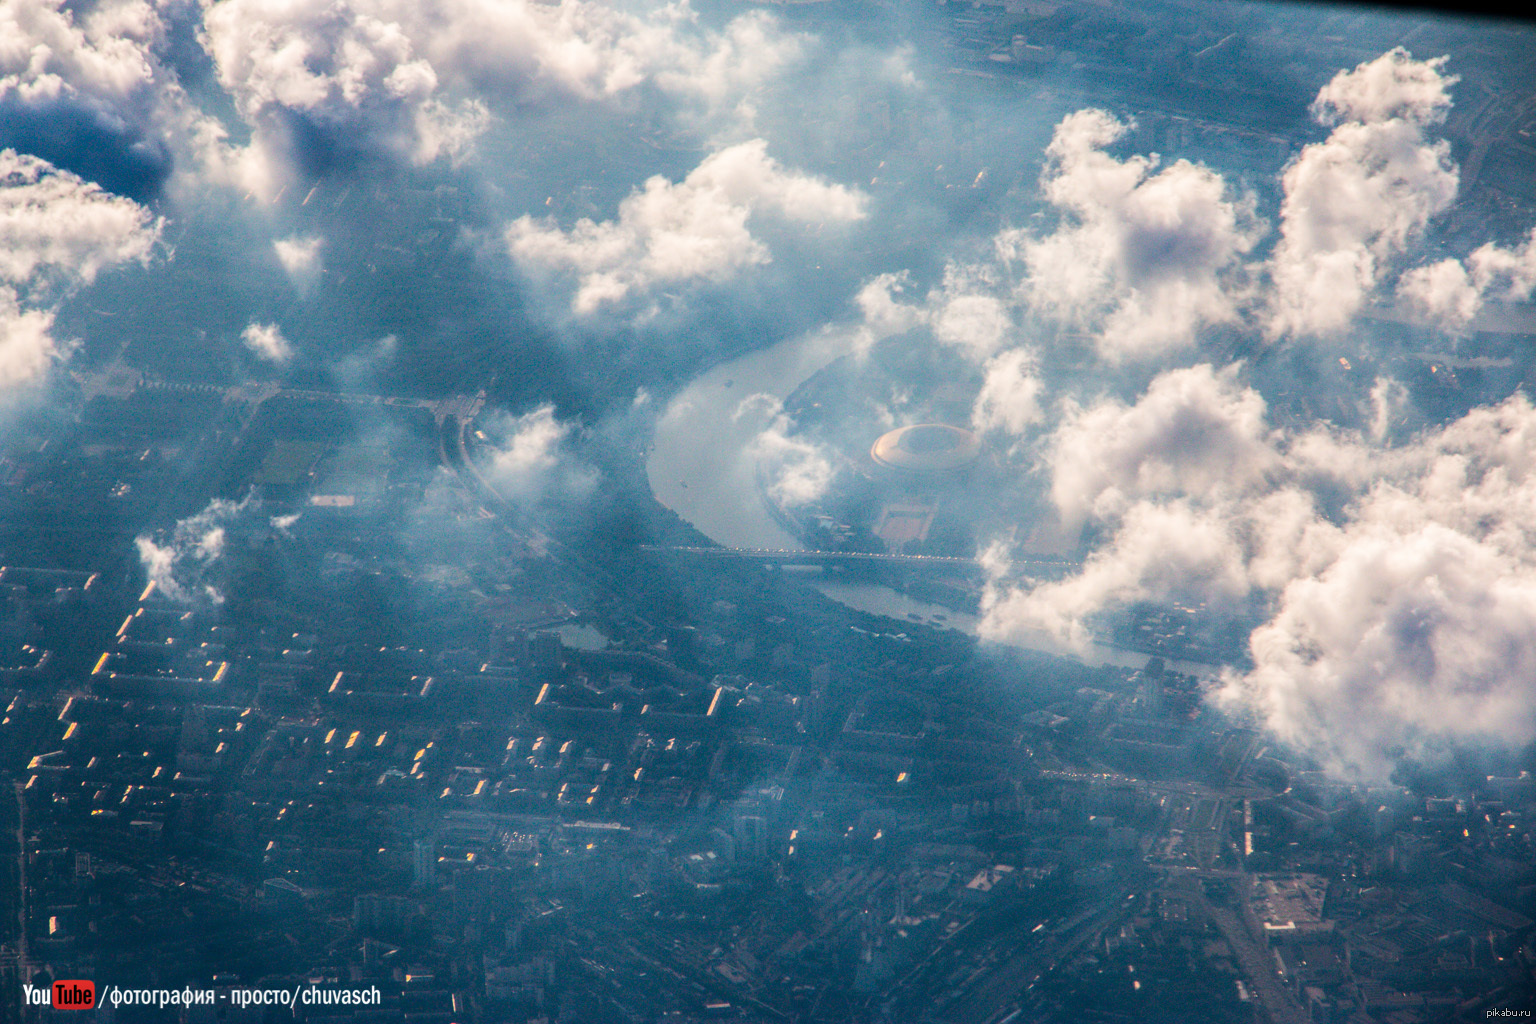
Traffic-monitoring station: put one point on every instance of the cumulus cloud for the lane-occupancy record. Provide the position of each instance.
(1182, 550)
(1194, 431)
(1401, 617)
(27, 345)
(1419, 632)
(529, 458)
(673, 232)
(57, 232)
(1146, 254)
(798, 472)
(1443, 292)
(881, 312)
(1394, 86)
(46, 54)
(590, 50)
(1451, 295)
(968, 310)
(1413, 638)
(54, 226)
(80, 87)
(794, 471)
(1198, 498)
(1161, 551)
(1507, 274)
(1355, 201)
(1388, 399)
(324, 84)
(966, 313)
(1144, 257)
(268, 343)
(317, 87)
(315, 81)
(181, 563)
(300, 257)
(1010, 396)
(978, 321)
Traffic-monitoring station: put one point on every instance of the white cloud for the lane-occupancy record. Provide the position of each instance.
(268, 343)
(673, 232)
(100, 60)
(57, 233)
(793, 471)
(1394, 86)
(1388, 399)
(1161, 551)
(1412, 639)
(365, 78)
(180, 564)
(1402, 621)
(325, 58)
(1442, 291)
(1509, 274)
(1194, 431)
(447, 131)
(1010, 394)
(593, 50)
(46, 55)
(529, 458)
(1356, 200)
(417, 83)
(300, 257)
(56, 227)
(1145, 257)
(27, 346)
(351, 69)
(967, 310)
(1285, 536)
(63, 63)
(1198, 497)
(882, 313)
(1451, 296)
(977, 322)
(1420, 632)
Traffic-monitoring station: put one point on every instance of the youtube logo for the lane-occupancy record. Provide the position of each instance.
(74, 995)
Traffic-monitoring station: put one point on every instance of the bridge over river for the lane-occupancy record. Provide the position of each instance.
(937, 563)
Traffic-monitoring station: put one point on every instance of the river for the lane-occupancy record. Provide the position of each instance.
(701, 466)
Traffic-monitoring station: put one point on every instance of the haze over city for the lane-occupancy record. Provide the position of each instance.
(940, 512)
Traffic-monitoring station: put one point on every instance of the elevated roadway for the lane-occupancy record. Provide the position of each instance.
(789, 556)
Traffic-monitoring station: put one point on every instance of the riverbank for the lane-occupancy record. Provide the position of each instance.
(702, 466)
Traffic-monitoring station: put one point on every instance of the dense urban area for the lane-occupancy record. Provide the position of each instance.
(559, 763)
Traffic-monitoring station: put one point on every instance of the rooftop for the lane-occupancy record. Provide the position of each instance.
(926, 448)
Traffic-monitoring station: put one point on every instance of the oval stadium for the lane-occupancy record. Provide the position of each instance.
(926, 451)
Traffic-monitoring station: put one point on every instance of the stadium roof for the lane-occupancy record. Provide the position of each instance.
(926, 448)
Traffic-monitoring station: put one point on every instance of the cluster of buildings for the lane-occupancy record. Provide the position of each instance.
(408, 744)
(753, 815)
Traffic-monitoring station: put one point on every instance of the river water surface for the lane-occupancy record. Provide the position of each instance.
(701, 466)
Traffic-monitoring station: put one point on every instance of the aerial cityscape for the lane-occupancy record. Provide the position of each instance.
(821, 511)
